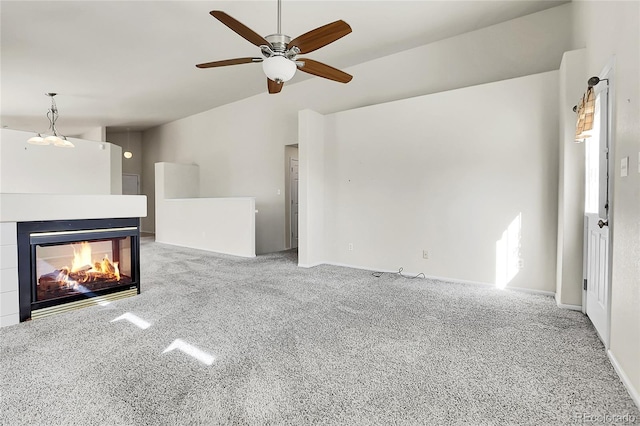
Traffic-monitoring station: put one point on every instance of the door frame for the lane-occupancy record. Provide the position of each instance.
(293, 225)
(608, 74)
(290, 151)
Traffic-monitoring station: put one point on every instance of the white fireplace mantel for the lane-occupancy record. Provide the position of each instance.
(34, 207)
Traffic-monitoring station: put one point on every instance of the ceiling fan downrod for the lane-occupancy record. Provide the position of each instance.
(279, 15)
(279, 42)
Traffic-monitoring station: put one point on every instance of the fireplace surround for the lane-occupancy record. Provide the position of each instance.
(66, 264)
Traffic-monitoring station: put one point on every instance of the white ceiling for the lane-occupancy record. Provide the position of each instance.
(131, 64)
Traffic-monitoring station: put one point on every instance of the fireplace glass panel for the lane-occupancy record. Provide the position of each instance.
(82, 267)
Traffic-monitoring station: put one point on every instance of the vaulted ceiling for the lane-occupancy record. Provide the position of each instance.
(131, 64)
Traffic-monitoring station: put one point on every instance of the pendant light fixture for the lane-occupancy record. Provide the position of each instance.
(55, 139)
(128, 154)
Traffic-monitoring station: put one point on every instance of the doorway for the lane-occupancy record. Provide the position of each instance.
(293, 166)
(291, 196)
(598, 212)
(130, 184)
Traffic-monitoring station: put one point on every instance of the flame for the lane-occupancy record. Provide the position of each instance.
(85, 269)
(102, 269)
(84, 273)
(81, 258)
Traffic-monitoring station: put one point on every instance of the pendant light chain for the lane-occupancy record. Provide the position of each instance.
(52, 114)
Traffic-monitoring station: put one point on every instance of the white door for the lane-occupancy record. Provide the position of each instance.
(597, 306)
(597, 214)
(294, 201)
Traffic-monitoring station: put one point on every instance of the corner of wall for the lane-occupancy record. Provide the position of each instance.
(570, 183)
(98, 134)
(311, 187)
(116, 169)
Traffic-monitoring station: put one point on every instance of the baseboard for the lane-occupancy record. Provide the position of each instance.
(452, 280)
(633, 393)
(486, 284)
(248, 256)
(565, 306)
(366, 268)
(533, 291)
(311, 265)
(520, 289)
(372, 270)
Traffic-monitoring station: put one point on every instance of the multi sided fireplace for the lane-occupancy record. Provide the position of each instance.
(63, 265)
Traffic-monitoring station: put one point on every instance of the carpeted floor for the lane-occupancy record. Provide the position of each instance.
(261, 341)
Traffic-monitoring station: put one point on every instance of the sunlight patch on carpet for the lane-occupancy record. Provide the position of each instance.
(191, 350)
(133, 319)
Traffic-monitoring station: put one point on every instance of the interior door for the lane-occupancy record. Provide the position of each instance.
(597, 306)
(597, 214)
(294, 202)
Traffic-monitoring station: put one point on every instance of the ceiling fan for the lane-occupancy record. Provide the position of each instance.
(280, 53)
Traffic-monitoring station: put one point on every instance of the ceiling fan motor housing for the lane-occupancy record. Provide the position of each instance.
(278, 42)
(279, 65)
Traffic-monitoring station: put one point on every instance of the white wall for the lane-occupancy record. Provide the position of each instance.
(98, 134)
(611, 29)
(173, 181)
(26, 168)
(448, 173)
(571, 182)
(177, 181)
(239, 146)
(223, 225)
(311, 189)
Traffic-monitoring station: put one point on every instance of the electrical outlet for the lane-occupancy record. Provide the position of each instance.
(520, 263)
(350, 246)
(425, 254)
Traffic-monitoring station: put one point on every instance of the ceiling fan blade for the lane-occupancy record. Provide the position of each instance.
(228, 62)
(241, 29)
(315, 39)
(273, 86)
(322, 70)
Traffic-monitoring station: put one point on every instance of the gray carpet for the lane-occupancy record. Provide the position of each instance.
(326, 345)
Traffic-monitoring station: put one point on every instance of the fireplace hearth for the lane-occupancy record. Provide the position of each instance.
(64, 265)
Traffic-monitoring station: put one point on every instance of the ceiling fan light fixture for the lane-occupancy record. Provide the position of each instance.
(279, 68)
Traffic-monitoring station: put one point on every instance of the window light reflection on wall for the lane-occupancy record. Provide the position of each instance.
(508, 254)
